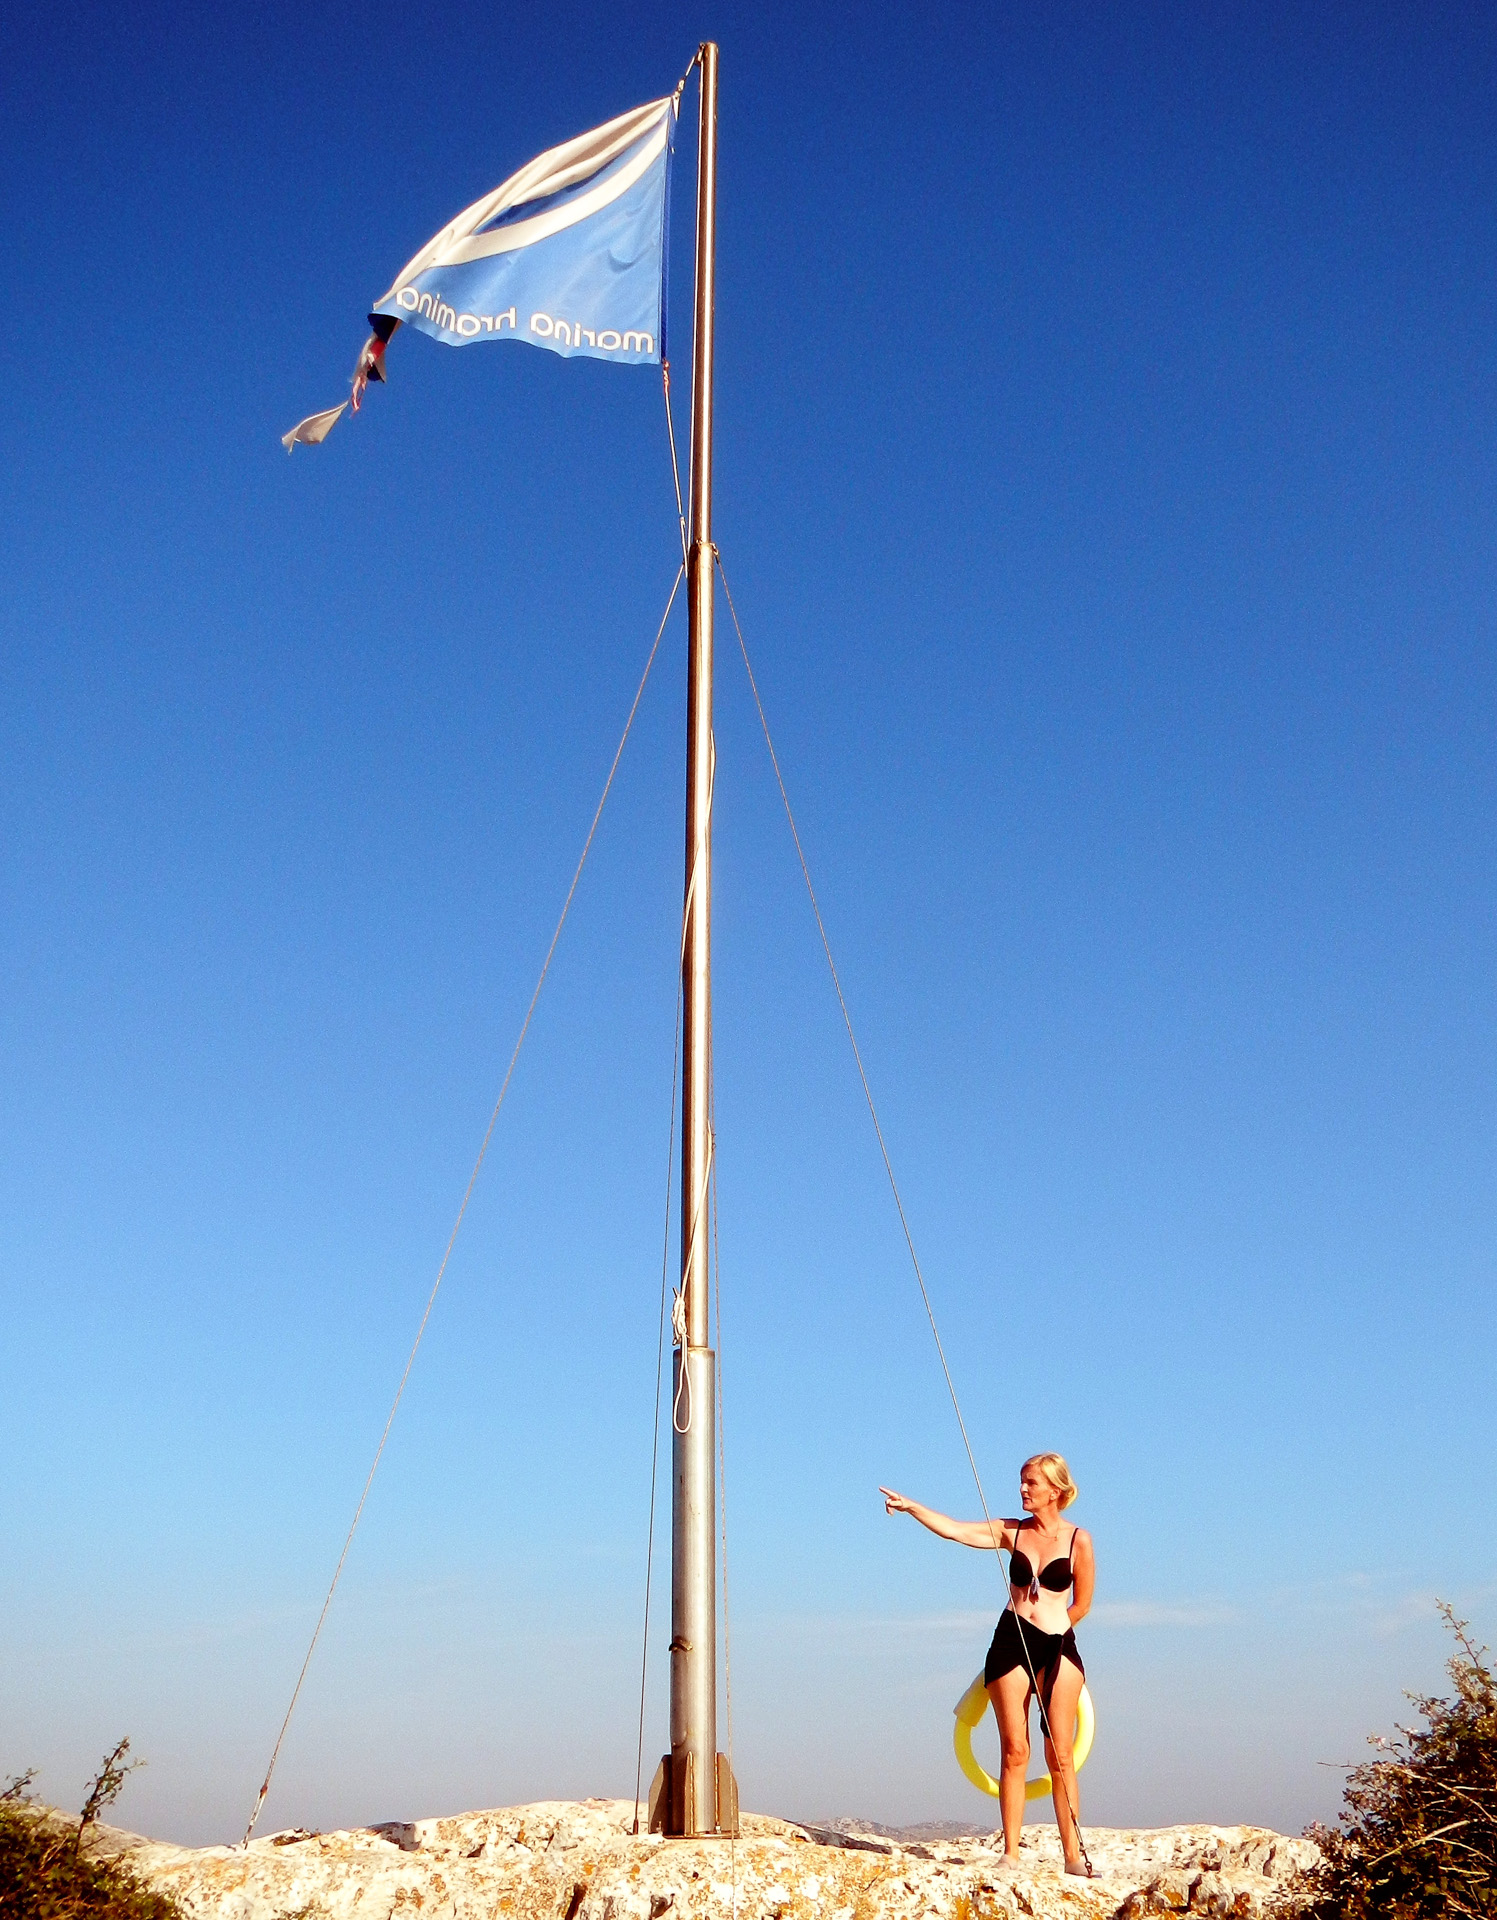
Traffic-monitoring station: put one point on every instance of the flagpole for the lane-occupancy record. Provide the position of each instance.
(694, 1767)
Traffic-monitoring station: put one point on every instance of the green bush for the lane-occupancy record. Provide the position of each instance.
(45, 1872)
(1418, 1831)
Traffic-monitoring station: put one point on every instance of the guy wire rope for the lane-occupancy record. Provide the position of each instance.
(462, 1210)
(889, 1168)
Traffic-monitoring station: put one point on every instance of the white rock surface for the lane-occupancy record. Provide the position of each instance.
(569, 1860)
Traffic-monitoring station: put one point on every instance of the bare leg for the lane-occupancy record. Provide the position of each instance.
(1010, 1696)
(1058, 1755)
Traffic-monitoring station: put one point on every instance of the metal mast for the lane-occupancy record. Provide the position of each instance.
(695, 1780)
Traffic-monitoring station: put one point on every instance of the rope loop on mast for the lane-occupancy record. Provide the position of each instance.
(679, 1327)
(683, 1376)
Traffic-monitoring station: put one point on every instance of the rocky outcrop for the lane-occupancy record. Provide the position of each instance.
(567, 1860)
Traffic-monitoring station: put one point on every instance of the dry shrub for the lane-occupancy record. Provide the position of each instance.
(45, 1874)
(1418, 1833)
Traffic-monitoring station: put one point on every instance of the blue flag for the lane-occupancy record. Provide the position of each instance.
(569, 253)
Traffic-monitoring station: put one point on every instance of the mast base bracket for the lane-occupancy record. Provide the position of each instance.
(674, 1804)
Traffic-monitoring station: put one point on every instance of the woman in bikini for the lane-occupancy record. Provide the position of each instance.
(1035, 1642)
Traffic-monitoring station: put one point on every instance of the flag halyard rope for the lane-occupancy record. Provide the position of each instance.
(665, 1257)
(462, 1210)
(670, 428)
(722, 1495)
(888, 1167)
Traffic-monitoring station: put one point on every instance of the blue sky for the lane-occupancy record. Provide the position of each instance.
(1105, 473)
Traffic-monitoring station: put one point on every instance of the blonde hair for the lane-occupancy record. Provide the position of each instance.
(1055, 1470)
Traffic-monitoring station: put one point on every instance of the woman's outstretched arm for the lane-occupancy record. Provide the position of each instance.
(967, 1533)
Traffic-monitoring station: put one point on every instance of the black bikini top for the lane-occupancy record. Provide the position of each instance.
(1055, 1576)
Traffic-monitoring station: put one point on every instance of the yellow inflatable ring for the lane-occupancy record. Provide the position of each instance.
(974, 1703)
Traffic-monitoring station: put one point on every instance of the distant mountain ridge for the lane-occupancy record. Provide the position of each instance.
(852, 1827)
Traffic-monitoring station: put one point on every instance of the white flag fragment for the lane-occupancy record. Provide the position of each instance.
(568, 254)
(314, 429)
